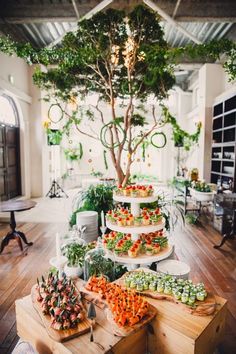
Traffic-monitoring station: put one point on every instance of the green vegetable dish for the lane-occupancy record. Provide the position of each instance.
(201, 186)
(182, 290)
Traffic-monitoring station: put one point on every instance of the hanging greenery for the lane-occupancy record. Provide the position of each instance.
(181, 137)
(105, 159)
(105, 133)
(209, 52)
(74, 154)
(54, 136)
(159, 134)
(50, 110)
(144, 150)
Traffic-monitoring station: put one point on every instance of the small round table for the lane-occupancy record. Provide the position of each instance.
(12, 206)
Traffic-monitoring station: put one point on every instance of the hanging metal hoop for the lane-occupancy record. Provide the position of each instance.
(103, 135)
(164, 141)
(50, 113)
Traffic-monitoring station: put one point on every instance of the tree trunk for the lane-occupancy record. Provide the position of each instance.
(126, 178)
(127, 172)
(120, 174)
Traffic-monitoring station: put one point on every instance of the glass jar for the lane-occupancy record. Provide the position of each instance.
(97, 263)
(73, 236)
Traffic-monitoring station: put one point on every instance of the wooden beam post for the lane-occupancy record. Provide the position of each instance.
(169, 19)
(76, 9)
(176, 8)
(95, 10)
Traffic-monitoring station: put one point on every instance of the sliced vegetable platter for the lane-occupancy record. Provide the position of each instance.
(192, 297)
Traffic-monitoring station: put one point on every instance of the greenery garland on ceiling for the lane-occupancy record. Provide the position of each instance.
(118, 55)
(210, 52)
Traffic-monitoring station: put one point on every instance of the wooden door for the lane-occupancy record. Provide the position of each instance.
(10, 179)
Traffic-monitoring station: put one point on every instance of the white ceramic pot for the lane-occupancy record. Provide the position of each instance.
(73, 272)
(202, 196)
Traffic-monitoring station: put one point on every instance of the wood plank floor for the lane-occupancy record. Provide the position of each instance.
(18, 274)
(194, 245)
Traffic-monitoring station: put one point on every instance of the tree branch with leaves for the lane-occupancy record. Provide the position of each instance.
(124, 58)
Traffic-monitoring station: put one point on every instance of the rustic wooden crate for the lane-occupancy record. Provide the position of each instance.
(174, 331)
(30, 327)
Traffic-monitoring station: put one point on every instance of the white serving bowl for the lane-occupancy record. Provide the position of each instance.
(173, 267)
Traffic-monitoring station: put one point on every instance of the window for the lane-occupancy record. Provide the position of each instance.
(8, 112)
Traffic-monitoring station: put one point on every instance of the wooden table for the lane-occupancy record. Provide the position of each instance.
(172, 331)
(12, 207)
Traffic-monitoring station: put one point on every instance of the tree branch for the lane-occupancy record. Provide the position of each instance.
(153, 114)
(99, 111)
(87, 134)
(112, 148)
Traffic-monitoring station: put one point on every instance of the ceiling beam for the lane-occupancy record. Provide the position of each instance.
(37, 12)
(73, 18)
(102, 5)
(176, 8)
(76, 9)
(169, 19)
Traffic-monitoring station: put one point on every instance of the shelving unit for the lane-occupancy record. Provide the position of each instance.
(224, 142)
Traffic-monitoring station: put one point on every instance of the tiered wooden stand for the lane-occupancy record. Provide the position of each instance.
(135, 231)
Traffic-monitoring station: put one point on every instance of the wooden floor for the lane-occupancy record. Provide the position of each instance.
(217, 268)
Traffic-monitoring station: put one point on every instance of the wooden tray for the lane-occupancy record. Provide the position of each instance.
(202, 308)
(113, 327)
(58, 335)
(127, 330)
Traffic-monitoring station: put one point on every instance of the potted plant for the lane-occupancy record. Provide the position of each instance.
(54, 136)
(75, 253)
(201, 191)
(74, 154)
(97, 198)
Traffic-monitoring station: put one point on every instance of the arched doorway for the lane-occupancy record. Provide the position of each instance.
(10, 176)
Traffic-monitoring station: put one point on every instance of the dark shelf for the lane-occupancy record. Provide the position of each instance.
(224, 114)
(222, 174)
(220, 115)
(224, 133)
(225, 128)
(231, 143)
(228, 160)
(218, 109)
(230, 104)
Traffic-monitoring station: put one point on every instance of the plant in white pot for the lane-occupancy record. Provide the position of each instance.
(75, 253)
(201, 191)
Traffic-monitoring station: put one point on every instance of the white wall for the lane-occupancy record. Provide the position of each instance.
(36, 138)
(20, 92)
(212, 84)
(28, 100)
